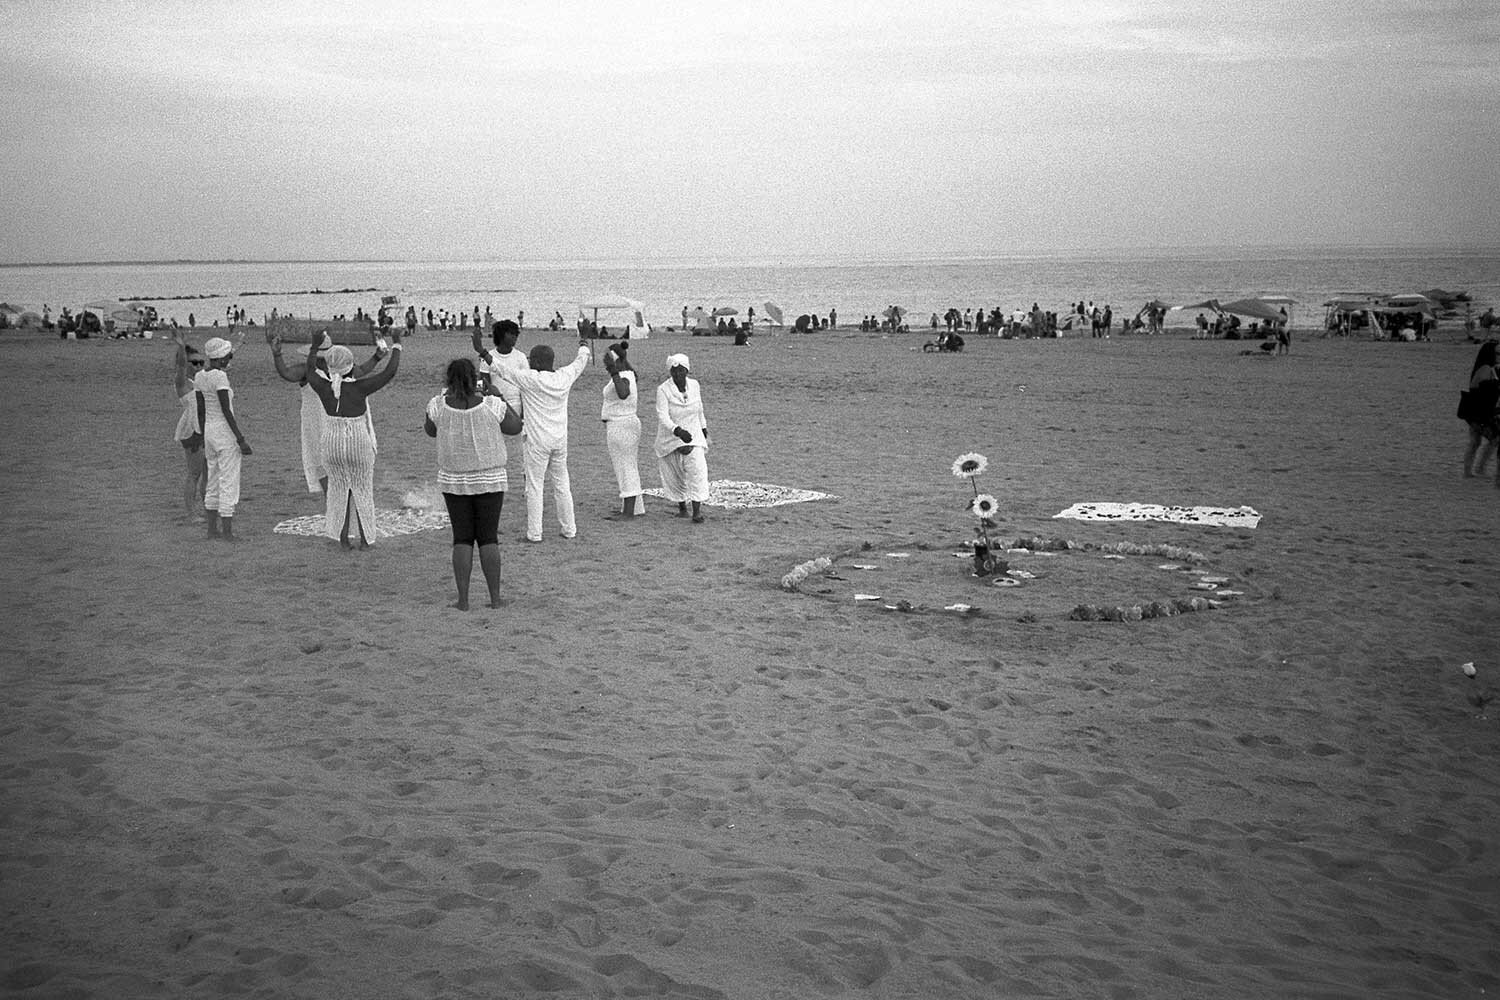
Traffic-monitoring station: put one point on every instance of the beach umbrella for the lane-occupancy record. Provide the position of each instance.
(1414, 299)
(725, 311)
(1252, 308)
(774, 311)
(1283, 301)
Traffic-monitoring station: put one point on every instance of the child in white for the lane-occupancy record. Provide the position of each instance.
(544, 402)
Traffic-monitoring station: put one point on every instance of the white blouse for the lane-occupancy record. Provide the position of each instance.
(470, 446)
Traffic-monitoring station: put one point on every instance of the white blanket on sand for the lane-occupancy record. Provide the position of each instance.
(1220, 517)
(736, 495)
(388, 523)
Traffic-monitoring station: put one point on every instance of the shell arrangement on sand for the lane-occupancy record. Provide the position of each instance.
(1138, 612)
(925, 580)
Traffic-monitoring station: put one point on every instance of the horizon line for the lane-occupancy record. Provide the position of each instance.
(732, 260)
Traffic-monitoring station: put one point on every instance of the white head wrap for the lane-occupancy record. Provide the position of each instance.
(217, 347)
(673, 360)
(340, 363)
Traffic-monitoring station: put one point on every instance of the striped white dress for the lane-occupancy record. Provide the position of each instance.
(349, 457)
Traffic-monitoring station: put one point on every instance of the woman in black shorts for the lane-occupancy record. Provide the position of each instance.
(470, 427)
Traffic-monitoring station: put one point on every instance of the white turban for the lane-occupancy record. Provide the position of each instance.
(340, 363)
(217, 347)
(674, 360)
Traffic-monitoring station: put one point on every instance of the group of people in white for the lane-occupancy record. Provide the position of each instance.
(482, 409)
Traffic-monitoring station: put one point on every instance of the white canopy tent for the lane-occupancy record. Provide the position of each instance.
(628, 313)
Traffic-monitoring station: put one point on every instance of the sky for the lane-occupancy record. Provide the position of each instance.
(563, 129)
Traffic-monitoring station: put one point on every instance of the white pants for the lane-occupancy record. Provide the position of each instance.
(684, 477)
(543, 462)
(222, 452)
(623, 436)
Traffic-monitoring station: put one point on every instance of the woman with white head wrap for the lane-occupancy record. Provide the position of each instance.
(682, 439)
(223, 444)
(622, 429)
(349, 438)
(312, 407)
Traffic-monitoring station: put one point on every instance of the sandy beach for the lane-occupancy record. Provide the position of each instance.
(275, 769)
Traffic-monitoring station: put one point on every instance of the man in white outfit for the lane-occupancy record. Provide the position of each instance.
(544, 398)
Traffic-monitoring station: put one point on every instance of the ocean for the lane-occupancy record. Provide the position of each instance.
(856, 286)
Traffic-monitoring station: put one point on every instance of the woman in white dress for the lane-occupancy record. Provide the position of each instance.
(349, 439)
(622, 430)
(682, 439)
(312, 407)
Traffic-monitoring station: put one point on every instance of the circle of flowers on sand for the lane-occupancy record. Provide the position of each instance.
(985, 506)
(969, 465)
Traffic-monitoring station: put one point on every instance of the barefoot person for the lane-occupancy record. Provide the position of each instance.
(682, 439)
(470, 428)
(544, 406)
(312, 406)
(223, 444)
(349, 439)
(189, 363)
(622, 429)
(1483, 415)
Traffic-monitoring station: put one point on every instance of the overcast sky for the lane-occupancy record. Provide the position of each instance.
(558, 129)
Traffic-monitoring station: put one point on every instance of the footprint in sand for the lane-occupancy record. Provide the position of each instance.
(489, 873)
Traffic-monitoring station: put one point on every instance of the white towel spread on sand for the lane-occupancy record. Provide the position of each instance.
(737, 495)
(1223, 517)
(388, 523)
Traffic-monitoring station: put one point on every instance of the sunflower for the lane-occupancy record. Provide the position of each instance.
(969, 465)
(985, 506)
